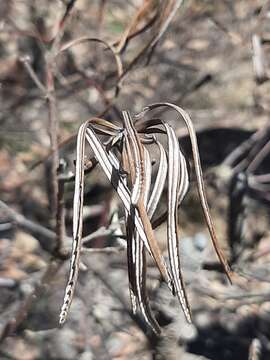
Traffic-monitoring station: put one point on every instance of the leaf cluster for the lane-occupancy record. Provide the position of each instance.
(125, 159)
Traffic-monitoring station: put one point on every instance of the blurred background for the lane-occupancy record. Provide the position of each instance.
(56, 71)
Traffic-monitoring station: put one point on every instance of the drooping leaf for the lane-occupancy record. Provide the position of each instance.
(140, 258)
(174, 164)
(138, 196)
(77, 223)
(159, 183)
(200, 182)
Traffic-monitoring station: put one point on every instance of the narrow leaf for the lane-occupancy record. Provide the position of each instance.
(140, 257)
(159, 183)
(200, 183)
(174, 164)
(137, 197)
(77, 223)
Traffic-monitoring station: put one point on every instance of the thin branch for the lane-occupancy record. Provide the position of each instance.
(167, 14)
(34, 228)
(105, 250)
(53, 133)
(60, 215)
(261, 155)
(26, 62)
(237, 154)
(26, 224)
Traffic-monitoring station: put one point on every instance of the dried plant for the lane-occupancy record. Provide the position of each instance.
(125, 160)
(154, 15)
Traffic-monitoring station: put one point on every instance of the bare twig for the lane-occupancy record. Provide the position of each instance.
(53, 133)
(257, 160)
(26, 224)
(167, 13)
(234, 159)
(105, 250)
(26, 62)
(60, 215)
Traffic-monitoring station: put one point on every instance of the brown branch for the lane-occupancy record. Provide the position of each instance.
(69, 8)
(60, 216)
(53, 133)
